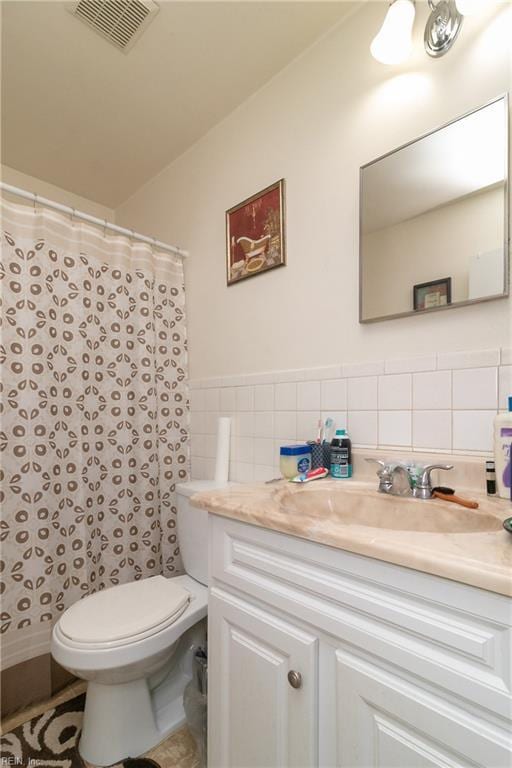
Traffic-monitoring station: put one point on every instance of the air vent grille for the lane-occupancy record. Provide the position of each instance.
(120, 21)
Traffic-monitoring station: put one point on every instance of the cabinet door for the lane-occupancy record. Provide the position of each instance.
(256, 719)
(385, 721)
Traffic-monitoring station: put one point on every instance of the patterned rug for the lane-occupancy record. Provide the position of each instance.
(47, 741)
(50, 740)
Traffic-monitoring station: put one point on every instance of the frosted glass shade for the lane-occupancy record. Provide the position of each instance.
(393, 43)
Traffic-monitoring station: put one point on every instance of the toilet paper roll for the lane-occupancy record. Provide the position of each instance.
(222, 456)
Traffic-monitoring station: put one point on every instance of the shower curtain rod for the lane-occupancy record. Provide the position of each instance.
(37, 199)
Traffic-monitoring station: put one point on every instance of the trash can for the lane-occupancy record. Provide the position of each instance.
(195, 703)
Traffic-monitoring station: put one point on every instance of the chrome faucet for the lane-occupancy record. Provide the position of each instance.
(390, 473)
(389, 478)
(423, 487)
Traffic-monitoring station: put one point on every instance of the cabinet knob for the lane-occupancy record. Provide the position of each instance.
(295, 679)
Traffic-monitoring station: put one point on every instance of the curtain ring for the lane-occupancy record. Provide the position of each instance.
(73, 212)
(153, 247)
(104, 227)
(35, 202)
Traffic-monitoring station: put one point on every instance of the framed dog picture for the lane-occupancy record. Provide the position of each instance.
(255, 235)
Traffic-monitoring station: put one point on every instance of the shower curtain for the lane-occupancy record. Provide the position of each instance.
(93, 434)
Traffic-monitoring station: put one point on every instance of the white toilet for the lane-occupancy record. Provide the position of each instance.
(134, 644)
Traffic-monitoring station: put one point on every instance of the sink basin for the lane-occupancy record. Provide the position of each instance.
(377, 510)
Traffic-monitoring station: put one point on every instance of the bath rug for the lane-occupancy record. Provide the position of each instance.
(47, 741)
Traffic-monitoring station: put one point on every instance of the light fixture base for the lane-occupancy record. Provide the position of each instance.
(443, 27)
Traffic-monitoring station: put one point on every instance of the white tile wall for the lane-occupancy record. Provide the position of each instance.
(444, 403)
(308, 396)
(307, 425)
(285, 425)
(395, 392)
(244, 398)
(395, 428)
(263, 451)
(475, 388)
(481, 359)
(212, 402)
(264, 397)
(472, 430)
(432, 430)
(228, 399)
(411, 364)
(363, 428)
(286, 397)
(362, 393)
(432, 390)
(334, 395)
(264, 424)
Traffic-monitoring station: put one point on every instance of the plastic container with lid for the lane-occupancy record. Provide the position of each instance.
(295, 459)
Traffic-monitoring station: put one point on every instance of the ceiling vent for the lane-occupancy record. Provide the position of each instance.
(120, 21)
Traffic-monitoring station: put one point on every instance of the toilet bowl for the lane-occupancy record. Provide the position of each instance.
(134, 644)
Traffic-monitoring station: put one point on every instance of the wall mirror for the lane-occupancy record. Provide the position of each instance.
(434, 219)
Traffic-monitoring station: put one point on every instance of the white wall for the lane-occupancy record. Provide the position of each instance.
(436, 244)
(50, 191)
(314, 124)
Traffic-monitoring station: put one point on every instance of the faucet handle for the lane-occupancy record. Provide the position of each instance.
(381, 463)
(423, 489)
(426, 472)
(384, 474)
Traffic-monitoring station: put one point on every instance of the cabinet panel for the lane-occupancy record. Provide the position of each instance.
(256, 718)
(454, 636)
(384, 721)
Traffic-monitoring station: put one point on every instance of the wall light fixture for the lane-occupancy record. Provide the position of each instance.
(393, 43)
(442, 28)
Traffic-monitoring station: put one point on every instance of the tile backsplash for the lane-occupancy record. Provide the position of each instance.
(442, 403)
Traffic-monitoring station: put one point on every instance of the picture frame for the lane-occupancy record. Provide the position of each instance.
(433, 294)
(255, 234)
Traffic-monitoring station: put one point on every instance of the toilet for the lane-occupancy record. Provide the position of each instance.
(134, 644)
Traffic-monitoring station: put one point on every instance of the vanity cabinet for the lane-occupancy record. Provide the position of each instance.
(319, 657)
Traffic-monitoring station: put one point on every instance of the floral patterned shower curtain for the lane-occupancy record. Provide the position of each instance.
(94, 417)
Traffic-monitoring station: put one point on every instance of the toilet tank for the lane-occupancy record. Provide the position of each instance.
(193, 529)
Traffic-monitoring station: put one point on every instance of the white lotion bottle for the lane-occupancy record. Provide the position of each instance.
(503, 452)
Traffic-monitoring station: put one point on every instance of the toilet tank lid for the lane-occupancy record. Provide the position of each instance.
(124, 611)
(197, 486)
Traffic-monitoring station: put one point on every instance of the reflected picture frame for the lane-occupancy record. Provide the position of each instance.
(432, 295)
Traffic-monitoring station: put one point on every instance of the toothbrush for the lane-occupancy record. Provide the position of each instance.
(329, 424)
(320, 432)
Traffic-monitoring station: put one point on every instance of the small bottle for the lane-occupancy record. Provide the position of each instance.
(341, 455)
(490, 477)
(503, 452)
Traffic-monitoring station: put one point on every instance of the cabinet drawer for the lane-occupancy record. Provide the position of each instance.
(455, 636)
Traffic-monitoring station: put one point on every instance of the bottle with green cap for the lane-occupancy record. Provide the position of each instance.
(503, 452)
(341, 455)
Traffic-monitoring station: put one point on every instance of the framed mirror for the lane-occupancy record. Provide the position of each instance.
(434, 219)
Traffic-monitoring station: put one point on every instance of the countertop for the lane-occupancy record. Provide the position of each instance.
(353, 516)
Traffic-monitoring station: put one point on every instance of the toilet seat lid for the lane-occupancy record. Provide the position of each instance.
(125, 611)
